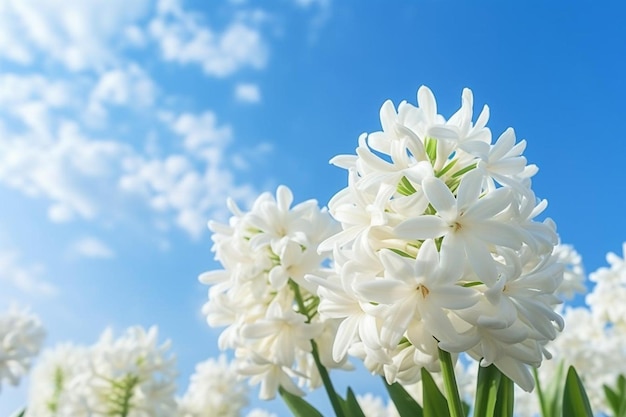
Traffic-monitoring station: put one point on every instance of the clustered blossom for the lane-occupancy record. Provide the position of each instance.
(440, 247)
(261, 294)
(607, 298)
(573, 273)
(54, 381)
(21, 338)
(594, 340)
(215, 389)
(128, 376)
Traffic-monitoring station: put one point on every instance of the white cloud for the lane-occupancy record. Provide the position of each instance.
(201, 131)
(92, 247)
(30, 99)
(184, 39)
(192, 185)
(79, 34)
(26, 279)
(91, 179)
(73, 143)
(248, 93)
(321, 14)
(72, 171)
(130, 87)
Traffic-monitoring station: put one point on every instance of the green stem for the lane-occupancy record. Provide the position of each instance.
(542, 398)
(328, 384)
(449, 381)
(487, 386)
(506, 397)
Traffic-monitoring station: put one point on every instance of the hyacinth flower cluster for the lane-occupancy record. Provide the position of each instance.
(215, 389)
(261, 296)
(21, 338)
(440, 249)
(128, 376)
(594, 341)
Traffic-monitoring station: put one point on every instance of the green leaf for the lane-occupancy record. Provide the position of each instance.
(575, 401)
(405, 404)
(435, 404)
(298, 406)
(487, 391)
(553, 393)
(506, 397)
(20, 413)
(466, 409)
(616, 398)
(613, 399)
(351, 405)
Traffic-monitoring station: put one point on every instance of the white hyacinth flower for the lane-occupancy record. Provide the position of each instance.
(609, 292)
(574, 277)
(262, 297)
(440, 246)
(129, 376)
(53, 390)
(215, 389)
(21, 338)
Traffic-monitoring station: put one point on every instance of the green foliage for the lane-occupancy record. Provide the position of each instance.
(616, 397)
(551, 396)
(299, 406)
(20, 413)
(575, 401)
(351, 406)
(435, 404)
(505, 400)
(405, 404)
(487, 390)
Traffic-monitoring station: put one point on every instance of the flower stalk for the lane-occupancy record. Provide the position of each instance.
(450, 386)
(328, 383)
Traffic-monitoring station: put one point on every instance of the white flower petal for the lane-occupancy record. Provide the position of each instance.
(423, 227)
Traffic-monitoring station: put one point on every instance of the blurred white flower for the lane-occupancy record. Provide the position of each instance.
(609, 292)
(261, 294)
(129, 376)
(594, 337)
(53, 390)
(21, 338)
(214, 389)
(574, 273)
(439, 233)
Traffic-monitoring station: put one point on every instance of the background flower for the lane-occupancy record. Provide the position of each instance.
(21, 338)
(261, 295)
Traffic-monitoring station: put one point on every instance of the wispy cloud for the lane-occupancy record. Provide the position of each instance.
(127, 86)
(92, 247)
(77, 34)
(24, 278)
(75, 141)
(184, 39)
(248, 93)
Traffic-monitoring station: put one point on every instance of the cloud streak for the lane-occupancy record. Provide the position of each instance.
(96, 146)
(24, 278)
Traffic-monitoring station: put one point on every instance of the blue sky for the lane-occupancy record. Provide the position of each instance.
(124, 126)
